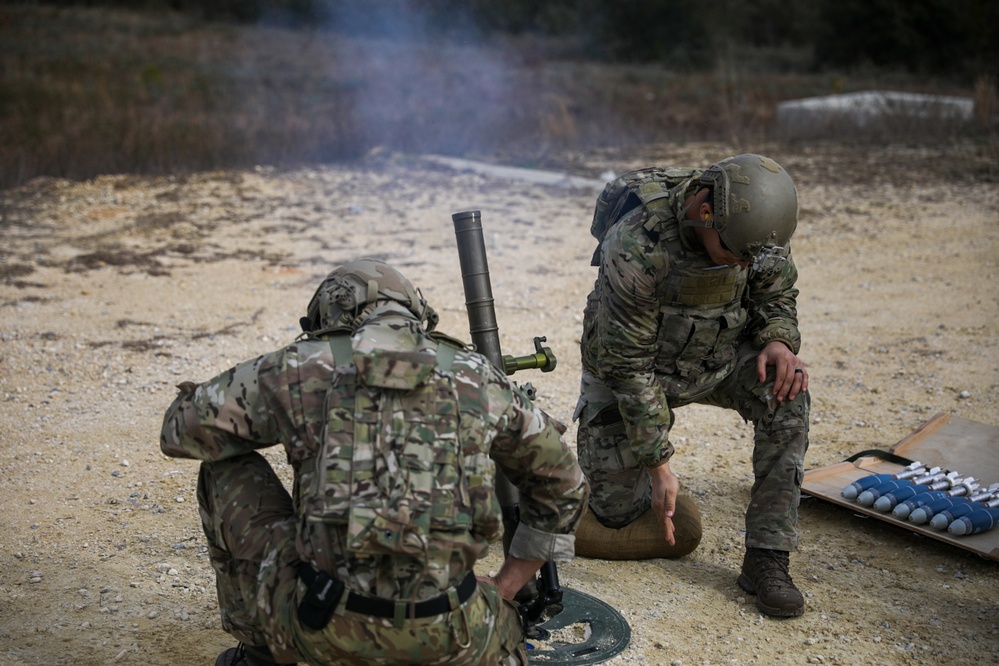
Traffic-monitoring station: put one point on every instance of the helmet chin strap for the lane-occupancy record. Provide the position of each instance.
(707, 223)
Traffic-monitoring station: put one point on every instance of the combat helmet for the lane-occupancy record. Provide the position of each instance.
(755, 208)
(351, 291)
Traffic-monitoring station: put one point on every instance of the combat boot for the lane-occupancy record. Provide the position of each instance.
(247, 655)
(765, 574)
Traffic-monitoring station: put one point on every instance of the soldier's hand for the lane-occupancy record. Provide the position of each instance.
(790, 375)
(513, 575)
(665, 488)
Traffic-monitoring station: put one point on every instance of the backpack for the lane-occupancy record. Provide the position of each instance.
(649, 186)
(390, 468)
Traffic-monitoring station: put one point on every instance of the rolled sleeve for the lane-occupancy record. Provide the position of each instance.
(534, 457)
(532, 544)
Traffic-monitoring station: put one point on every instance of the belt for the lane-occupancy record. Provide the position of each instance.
(378, 607)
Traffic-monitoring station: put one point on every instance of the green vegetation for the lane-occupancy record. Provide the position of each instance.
(85, 91)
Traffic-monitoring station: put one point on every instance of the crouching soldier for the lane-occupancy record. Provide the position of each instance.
(394, 433)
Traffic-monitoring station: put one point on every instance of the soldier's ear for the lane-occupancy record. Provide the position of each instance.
(306, 324)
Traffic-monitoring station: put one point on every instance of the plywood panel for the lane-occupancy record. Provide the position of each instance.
(956, 444)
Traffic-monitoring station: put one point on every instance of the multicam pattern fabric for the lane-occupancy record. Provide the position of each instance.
(652, 187)
(349, 290)
(250, 523)
(662, 323)
(664, 327)
(284, 397)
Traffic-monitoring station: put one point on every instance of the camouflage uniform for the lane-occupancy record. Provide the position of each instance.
(665, 327)
(399, 508)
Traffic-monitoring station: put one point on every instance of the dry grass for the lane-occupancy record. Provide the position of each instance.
(87, 92)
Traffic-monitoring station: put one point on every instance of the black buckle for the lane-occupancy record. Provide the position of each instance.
(321, 597)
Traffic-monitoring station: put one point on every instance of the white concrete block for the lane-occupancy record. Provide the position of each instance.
(873, 110)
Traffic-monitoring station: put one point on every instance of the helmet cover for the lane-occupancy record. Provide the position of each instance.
(755, 208)
(348, 290)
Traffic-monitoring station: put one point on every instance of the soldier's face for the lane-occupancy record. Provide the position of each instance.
(713, 245)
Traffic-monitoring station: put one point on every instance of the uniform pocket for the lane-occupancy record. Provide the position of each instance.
(730, 327)
(674, 333)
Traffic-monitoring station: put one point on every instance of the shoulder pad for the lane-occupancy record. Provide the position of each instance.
(390, 369)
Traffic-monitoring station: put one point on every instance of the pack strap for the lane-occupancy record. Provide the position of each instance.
(445, 356)
(343, 352)
(649, 198)
(878, 453)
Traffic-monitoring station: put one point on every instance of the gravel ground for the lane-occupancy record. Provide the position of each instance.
(117, 289)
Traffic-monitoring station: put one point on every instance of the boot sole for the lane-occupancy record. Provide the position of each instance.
(747, 585)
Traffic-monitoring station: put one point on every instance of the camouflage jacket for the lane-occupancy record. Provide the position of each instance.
(663, 322)
(283, 397)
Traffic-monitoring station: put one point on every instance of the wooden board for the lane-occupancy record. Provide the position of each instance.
(956, 444)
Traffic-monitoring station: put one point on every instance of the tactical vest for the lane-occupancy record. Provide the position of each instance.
(701, 316)
(390, 477)
(701, 305)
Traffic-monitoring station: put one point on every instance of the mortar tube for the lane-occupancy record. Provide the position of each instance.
(484, 331)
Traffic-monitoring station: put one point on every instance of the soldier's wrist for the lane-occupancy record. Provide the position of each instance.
(659, 463)
(787, 343)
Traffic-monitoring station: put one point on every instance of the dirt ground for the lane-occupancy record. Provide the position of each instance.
(116, 290)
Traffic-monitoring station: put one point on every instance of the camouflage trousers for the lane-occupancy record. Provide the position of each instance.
(249, 521)
(620, 487)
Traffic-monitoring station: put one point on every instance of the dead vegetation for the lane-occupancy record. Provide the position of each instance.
(85, 92)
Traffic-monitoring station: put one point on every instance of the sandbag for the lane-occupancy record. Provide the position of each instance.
(643, 538)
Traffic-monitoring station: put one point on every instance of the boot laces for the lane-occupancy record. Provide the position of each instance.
(240, 656)
(772, 568)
